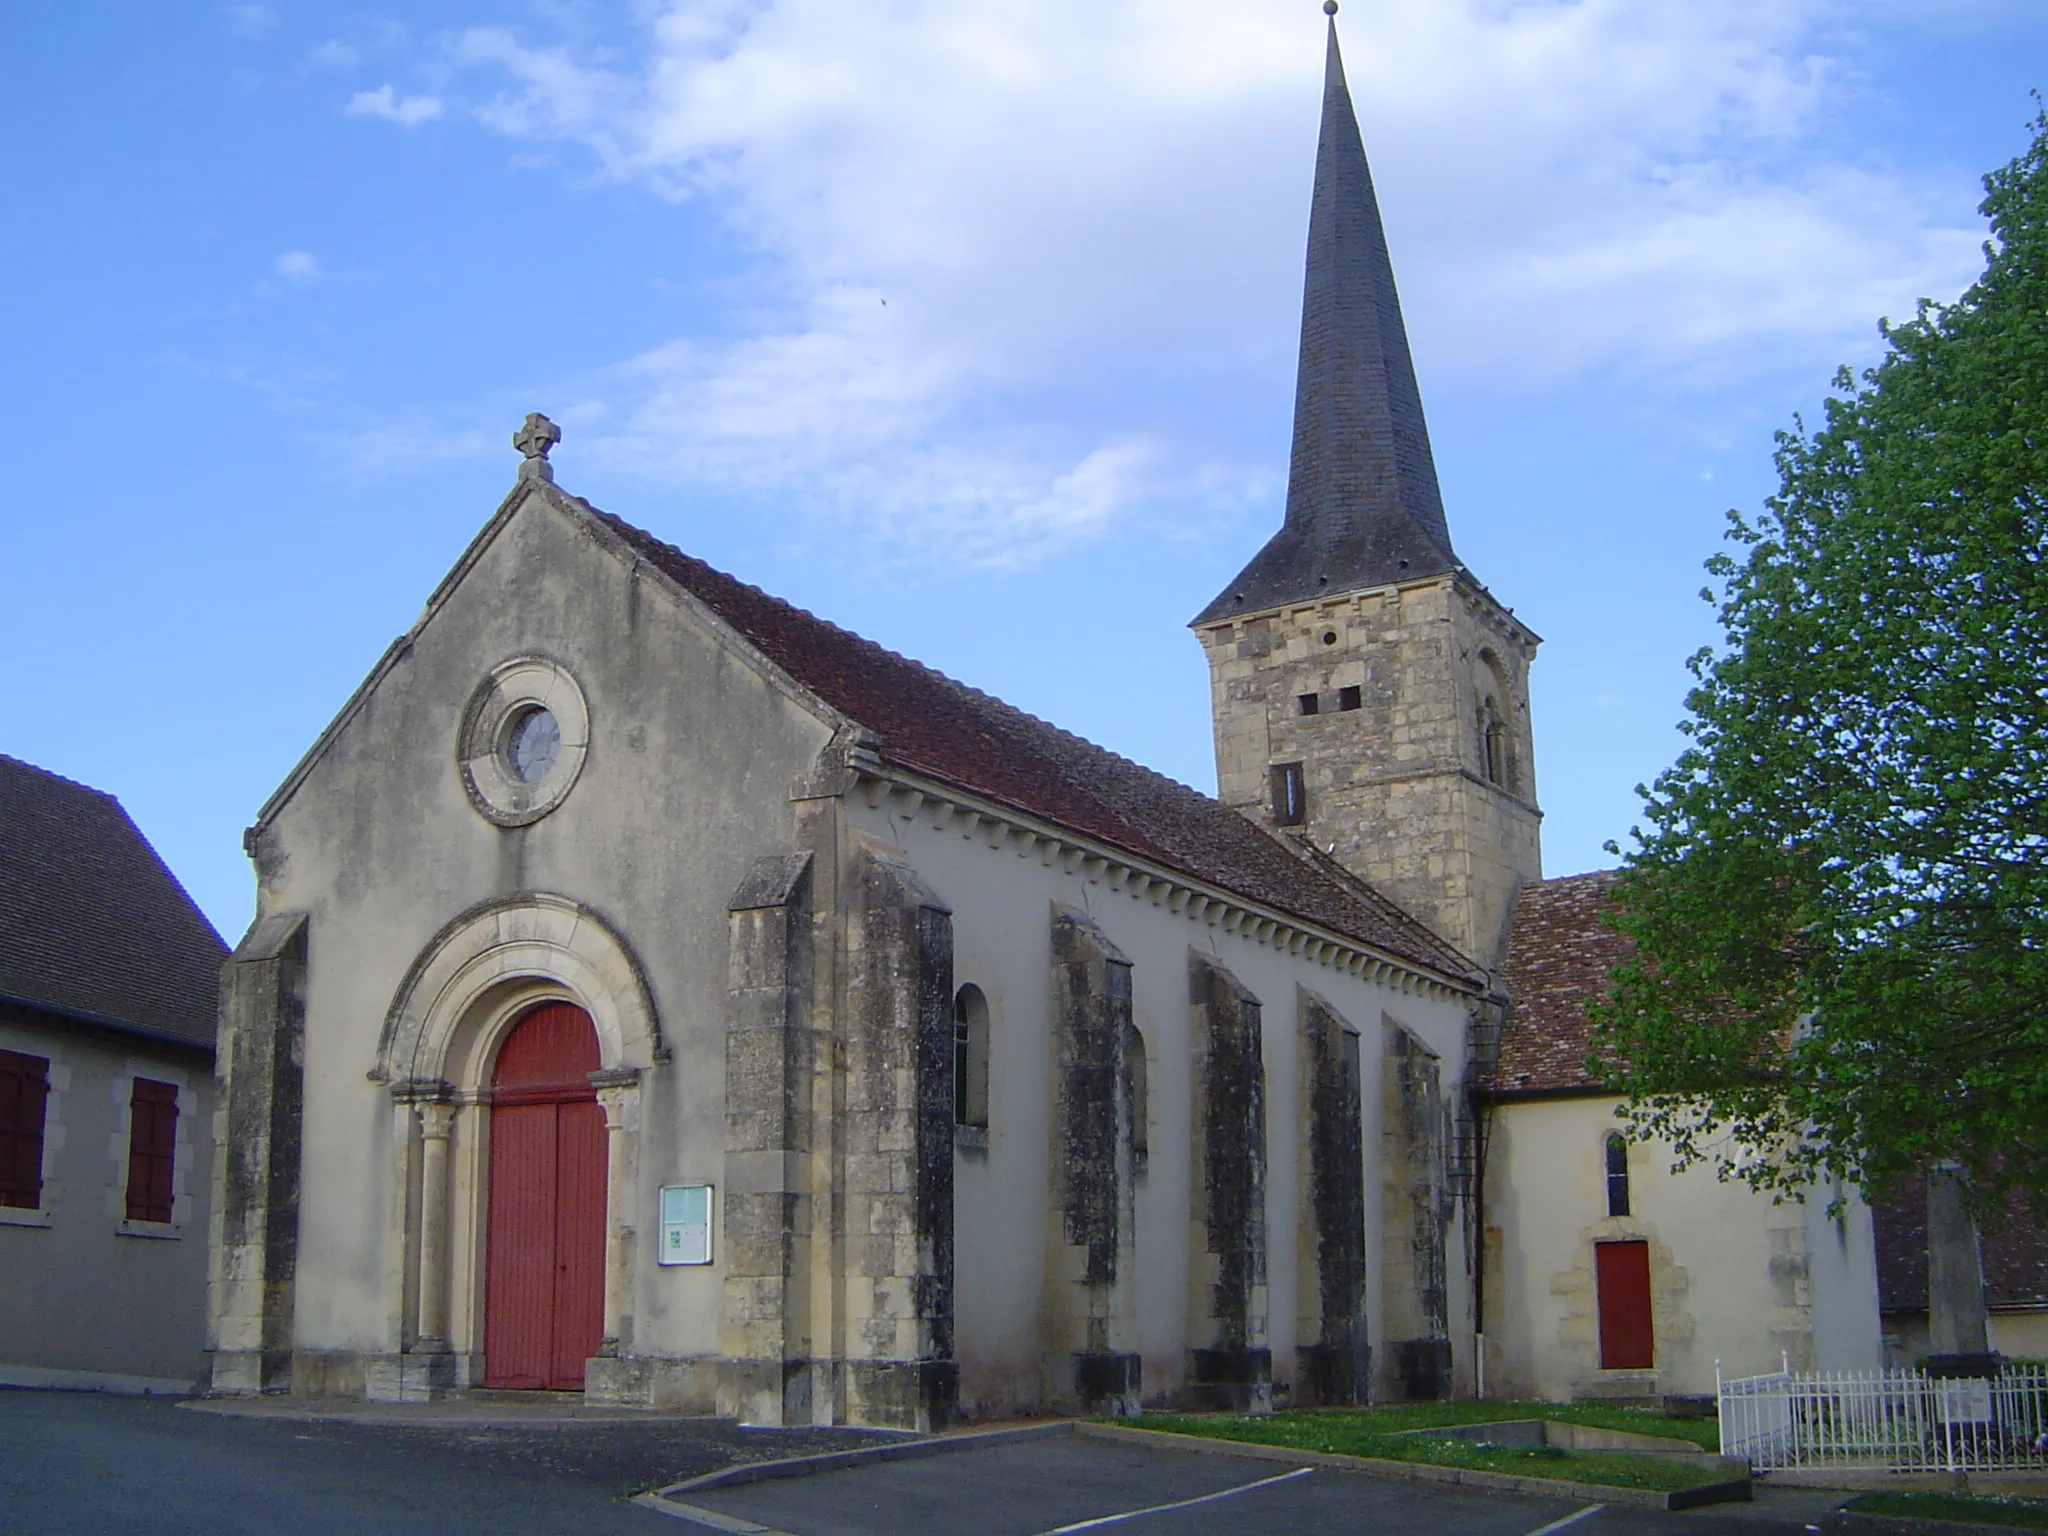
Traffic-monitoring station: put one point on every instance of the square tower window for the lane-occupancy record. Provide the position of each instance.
(1349, 698)
(1289, 793)
(1311, 703)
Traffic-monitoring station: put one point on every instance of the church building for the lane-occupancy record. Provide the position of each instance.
(660, 993)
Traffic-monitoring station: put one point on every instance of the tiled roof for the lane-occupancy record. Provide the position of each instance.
(1558, 958)
(932, 725)
(91, 922)
(2015, 1255)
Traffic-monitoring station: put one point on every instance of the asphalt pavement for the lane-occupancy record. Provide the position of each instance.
(81, 1464)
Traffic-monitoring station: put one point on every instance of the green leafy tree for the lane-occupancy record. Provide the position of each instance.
(1840, 903)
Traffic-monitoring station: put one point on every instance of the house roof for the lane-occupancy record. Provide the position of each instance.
(1363, 505)
(931, 725)
(92, 924)
(1559, 953)
(2015, 1254)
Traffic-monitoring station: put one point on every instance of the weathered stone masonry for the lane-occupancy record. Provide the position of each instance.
(1091, 1364)
(256, 1201)
(1230, 1363)
(1415, 1219)
(1333, 1361)
(765, 1369)
(897, 1136)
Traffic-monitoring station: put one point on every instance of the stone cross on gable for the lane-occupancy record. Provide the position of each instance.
(533, 439)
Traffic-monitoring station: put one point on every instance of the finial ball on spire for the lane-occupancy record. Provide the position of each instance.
(1329, 7)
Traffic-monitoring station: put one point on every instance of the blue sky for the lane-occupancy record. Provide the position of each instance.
(967, 325)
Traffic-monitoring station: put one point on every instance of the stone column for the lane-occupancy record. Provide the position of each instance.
(1958, 1324)
(1230, 1363)
(618, 1094)
(1091, 1363)
(896, 1139)
(437, 1121)
(1332, 1358)
(261, 1068)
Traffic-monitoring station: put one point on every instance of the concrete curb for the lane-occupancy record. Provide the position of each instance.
(448, 1414)
(831, 1461)
(1422, 1472)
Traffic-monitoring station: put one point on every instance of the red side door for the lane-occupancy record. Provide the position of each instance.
(1623, 1274)
(544, 1262)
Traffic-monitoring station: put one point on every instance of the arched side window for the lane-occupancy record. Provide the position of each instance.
(1493, 745)
(970, 1057)
(1141, 1098)
(1617, 1174)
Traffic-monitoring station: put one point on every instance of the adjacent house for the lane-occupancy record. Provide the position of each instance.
(109, 980)
(1607, 1274)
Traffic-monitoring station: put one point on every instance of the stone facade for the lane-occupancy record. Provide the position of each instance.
(1389, 699)
(767, 921)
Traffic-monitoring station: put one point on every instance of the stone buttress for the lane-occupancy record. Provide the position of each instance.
(1091, 1363)
(1333, 1359)
(1230, 1362)
(765, 1367)
(260, 1123)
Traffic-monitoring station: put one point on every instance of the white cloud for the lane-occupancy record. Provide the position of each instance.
(298, 267)
(384, 102)
(1058, 197)
(335, 54)
(413, 444)
(250, 20)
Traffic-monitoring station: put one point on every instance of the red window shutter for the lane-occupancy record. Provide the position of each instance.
(1623, 1273)
(24, 1100)
(152, 1149)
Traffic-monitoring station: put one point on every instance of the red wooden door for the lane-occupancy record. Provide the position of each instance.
(544, 1260)
(1623, 1273)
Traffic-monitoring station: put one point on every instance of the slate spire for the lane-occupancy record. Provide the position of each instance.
(1363, 509)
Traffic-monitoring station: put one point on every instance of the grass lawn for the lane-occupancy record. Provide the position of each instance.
(2026, 1514)
(1378, 1432)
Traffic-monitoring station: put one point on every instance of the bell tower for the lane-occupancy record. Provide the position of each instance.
(1368, 692)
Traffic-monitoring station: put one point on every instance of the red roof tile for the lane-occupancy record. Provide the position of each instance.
(932, 725)
(1558, 958)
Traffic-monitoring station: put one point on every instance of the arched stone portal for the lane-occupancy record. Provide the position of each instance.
(480, 978)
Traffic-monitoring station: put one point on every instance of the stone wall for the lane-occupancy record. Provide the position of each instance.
(1393, 758)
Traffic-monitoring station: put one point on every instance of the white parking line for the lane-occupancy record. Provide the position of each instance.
(1571, 1519)
(710, 1519)
(1157, 1509)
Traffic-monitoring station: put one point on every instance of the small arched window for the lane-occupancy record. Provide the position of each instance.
(970, 1057)
(1617, 1174)
(1141, 1098)
(1493, 745)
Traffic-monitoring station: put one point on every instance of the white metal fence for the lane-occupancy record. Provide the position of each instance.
(1899, 1421)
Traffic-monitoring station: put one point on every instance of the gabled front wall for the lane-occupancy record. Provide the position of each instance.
(1004, 889)
(691, 761)
(1734, 1279)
